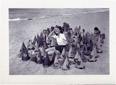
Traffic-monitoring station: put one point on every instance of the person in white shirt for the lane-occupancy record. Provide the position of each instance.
(60, 38)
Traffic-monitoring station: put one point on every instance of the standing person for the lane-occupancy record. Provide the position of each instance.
(48, 31)
(95, 38)
(44, 35)
(65, 26)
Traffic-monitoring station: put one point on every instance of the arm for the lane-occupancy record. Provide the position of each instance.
(50, 35)
(65, 37)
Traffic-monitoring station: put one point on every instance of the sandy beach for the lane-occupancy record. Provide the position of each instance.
(23, 30)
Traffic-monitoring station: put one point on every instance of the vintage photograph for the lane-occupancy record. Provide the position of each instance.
(59, 41)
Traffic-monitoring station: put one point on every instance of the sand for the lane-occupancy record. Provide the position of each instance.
(22, 31)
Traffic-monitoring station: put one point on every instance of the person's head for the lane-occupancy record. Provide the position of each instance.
(57, 30)
(60, 28)
(83, 30)
(48, 30)
(96, 31)
(66, 27)
(44, 31)
(79, 28)
(52, 28)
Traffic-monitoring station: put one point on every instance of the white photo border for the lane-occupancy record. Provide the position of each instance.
(56, 79)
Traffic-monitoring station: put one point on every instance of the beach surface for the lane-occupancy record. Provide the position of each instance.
(21, 29)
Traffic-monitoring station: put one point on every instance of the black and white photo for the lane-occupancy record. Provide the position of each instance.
(59, 41)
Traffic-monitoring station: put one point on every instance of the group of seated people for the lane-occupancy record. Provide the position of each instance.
(62, 46)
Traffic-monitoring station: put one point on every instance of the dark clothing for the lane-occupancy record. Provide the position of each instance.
(60, 48)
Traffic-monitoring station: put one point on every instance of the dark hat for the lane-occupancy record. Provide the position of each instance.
(96, 28)
(46, 61)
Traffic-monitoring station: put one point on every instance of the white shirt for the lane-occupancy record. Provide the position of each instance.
(61, 39)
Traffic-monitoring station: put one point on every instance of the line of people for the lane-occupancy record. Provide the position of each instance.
(61, 47)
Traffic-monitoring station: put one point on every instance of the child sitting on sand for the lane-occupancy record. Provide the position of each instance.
(60, 38)
(62, 44)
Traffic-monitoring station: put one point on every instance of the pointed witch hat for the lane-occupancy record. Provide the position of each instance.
(42, 49)
(46, 61)
(56, 62)
(77, 57)
(39, 58)
(100, 50)
(82, 55)
(36, 46)
(70, 51)
(53, 58)
(93, 55)
(53, 42)
(35, 39)
(23, 48)
(41, 35)
(99, 46)
(38, 39)
(38, 54)
(65, 65)
(78, 61)
(24, 53)
(63, 52)
(96, 55)
(29, 45)
(37, 36)
(71, 55)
